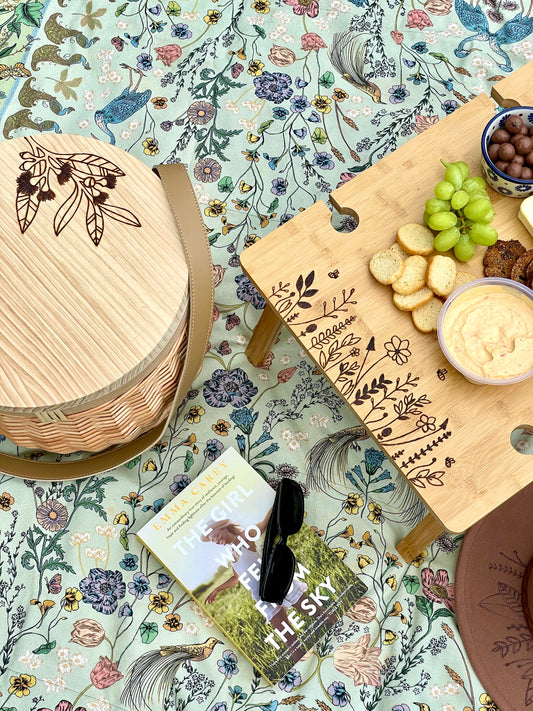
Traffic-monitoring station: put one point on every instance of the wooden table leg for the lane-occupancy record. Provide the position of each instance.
(263, 336)
(421, 536)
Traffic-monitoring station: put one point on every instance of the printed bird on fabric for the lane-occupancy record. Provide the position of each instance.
(123, 106)
(327, 459)
(158, 668)
(347, 54)
(473, 18)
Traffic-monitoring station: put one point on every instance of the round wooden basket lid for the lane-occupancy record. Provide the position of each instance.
(93, 282)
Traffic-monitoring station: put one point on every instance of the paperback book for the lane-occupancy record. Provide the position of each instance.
(209, 537)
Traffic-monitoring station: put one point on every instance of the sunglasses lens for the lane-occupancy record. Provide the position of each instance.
(279, 573)
(291, 507)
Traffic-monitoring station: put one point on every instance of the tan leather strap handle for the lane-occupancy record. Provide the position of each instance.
(201, 296)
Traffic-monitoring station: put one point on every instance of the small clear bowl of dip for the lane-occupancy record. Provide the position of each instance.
(485, 330)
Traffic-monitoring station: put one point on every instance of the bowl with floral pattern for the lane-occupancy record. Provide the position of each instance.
(494, 176)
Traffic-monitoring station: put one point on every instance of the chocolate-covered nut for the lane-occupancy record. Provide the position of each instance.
(523, 145)
(524, 130)
(514, 170)
(527, 173)
(502, 165)
(493, 151)
(514, 138)
(513, 124)
(518, 159)
(529, 158)
(500, 135)
(506, 151)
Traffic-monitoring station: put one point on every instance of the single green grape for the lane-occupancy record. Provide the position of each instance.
(442, 220)
(472, 185)
(459, 199)
(465, 248)
(425, 218)
(453, 174)
(434, 205)
(463, 167)
(478, 194)
(486, 219)
(444, 190)
(483, 234)
(446, 239)
(477, 209)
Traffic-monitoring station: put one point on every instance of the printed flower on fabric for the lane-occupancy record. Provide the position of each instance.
(200, 113)
(248, 293)
(102, 589)
(364, 610)
(213, 449)
(449, 106)
(63, 705)
(87, 633)
(129, 562)
(290, 681)
(144, 62)
(229, 387)
(438, 7)
(160, 601)
(6, 501)
(180, 482)
(181, 31)
(52, 515)
(281, 56)
(303, 7)
(299, 104)
(72, 599)
(398, 94)
(139, 586)
(151, 146)
(359, 661)
(168, 54)
(173, 622)
(159, 102)
(437, 587)
(216, 208)
(323, 160)
(418, 19)
(207, 170)
(312, 41)
(21, 685)
(274, 87)
(339, 695)
(212, 17)
(228, 664)
(105, 673)
(422, 123)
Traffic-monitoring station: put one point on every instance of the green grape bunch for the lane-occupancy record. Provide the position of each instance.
(460, 213)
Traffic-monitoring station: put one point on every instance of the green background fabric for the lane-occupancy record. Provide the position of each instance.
(268, 113)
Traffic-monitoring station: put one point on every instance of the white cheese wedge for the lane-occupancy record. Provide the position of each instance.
(525, 214)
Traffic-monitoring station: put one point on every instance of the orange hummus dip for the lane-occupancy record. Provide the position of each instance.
(489, 332)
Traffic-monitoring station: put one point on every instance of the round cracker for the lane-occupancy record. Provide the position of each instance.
(386, 266)
(500, 257)
(519, 270)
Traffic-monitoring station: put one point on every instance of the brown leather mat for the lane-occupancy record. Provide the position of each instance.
(488, 586)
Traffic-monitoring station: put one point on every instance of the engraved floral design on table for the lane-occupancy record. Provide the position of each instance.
(88, 173)
(362, 370)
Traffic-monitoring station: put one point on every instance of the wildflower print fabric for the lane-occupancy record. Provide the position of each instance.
(270, 104)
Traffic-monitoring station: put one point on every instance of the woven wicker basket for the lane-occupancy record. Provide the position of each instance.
(94, 294)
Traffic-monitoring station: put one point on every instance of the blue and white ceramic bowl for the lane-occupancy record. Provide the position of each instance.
(502, 183)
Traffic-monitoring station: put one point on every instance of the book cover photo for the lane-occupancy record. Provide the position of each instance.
(210, 537)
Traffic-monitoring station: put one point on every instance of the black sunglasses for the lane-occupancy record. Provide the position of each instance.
(278, 562)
